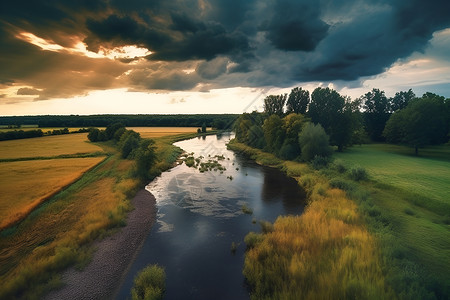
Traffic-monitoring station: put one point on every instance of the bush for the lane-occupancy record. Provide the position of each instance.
(252, 239)
(342, 184)
(320, 162)
(313, 142)
(149, 284)
(339, 166)
(358, 174)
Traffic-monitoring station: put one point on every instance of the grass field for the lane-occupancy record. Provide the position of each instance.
(60, 232)
(412, 194)
(47, 146)
(427, 175)
(406, 232)
(44, 129)
(154, 132)
(26, 184)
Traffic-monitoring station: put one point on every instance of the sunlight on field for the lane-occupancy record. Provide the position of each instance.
(47, 146)
(44, 129)
(152, 132)
(26, 184)
(386, 163)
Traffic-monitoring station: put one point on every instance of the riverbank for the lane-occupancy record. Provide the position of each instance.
(113, 255)
(411, 240)
(327, 252)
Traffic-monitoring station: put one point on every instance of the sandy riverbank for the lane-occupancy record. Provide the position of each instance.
(101, 278)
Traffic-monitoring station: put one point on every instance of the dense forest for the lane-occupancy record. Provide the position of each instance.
(221, 121)
(300, 126)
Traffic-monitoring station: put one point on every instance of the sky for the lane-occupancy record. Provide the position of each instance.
(213, 56)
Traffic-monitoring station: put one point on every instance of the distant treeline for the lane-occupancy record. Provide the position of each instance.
(25, 134)
(222, 121)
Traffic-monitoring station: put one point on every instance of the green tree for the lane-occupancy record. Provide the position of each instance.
(93, 134)
(145, 158)
(297, 101)
(204, 127)
(377, 112)
(423, 122)
(314, 142)
(273, 133)
(401, 100)
(292, 125)
(335, 113)
(274, 104)
(129, 141)
(111, 130)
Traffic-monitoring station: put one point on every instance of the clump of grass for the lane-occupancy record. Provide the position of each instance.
(342, 184)
(266, 226)
(409, 211)
(339, 166)
(149, 284)
(358, 174)
(234, 247)
(189, 161)
(246, 210)
(252, 239)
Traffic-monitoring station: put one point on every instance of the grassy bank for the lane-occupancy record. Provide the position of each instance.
(61, 231)
(345, 245)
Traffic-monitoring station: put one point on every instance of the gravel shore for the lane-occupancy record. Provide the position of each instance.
(113, 255)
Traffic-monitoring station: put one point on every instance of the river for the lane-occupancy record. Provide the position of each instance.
(200, 215)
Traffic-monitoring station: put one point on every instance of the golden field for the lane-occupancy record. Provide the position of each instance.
(153, 132)
(26, 184)
(47, 146)
(60, 232)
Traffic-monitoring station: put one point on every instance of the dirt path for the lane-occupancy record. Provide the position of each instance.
(102, 277)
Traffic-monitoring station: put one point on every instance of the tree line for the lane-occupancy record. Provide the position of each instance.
(25, 134)
(130, 145)
(302, 126)
(219, 121)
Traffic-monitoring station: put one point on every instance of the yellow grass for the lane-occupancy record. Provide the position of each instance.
(56, 236)
(26, 184)
(153, 132)
(47, 146)
(44, 129)
(326, 253)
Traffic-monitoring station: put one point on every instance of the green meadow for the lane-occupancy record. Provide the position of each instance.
(412, 194)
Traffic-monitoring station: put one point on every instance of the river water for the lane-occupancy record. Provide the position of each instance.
(200, 215)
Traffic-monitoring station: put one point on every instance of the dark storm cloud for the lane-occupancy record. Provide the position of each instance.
(296, 25)
(224, 42)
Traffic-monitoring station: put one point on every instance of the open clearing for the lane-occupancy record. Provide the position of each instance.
(413, 194)
(26, 184)
(47, 146)
(427, 175)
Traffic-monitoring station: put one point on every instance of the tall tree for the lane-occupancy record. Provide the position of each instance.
(273, 133)
(298, 101)
(376, 113)
(274, 104)
(423, 122)
(334, 113)
(401, 100)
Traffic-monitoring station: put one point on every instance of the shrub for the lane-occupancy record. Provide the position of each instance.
(149, 284)
(266, 226)
(339, 166)
(319, 162)
(313, 142)
(358, 174)
(246, 210)
(342, 184)
(252, 239)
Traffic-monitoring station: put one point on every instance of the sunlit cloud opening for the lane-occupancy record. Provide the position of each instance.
(123, 52)
(40, 42)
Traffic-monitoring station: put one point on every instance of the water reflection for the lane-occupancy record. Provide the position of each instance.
(200, 215)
